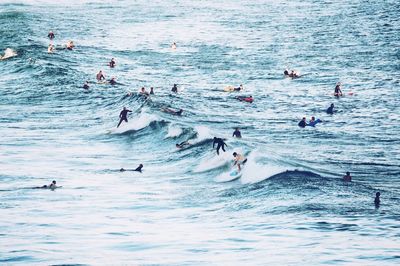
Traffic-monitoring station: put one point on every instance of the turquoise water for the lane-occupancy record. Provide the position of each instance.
(289, 207)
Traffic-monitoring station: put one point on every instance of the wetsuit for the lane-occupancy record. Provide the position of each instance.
(330, 110)
(237, 134)
(139, 168)
(174, 88)
(302, 123)
(123, 116)
(286, 73)
(86, 87)
(112, 63)
(220, 144)
(113, 82)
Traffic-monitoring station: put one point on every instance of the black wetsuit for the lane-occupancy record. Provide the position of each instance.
(123, 116)
(113, 82)
(302, 123)
(174, 88)
(220, 144)
(112, 63)
(51, 36)
(86, 87)
(139, 168)
(330, 110)
(286, 73)
(237, 134)
(338, 91)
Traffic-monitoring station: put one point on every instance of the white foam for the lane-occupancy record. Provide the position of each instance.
(8, 53)
(173, 131)
(141, 121)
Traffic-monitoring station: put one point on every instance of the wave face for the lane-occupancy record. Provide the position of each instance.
(289, 199)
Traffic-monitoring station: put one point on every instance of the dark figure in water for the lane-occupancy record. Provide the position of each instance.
(182, 145)
(173, 112)
(377, 200)
(113, 81)
(286, 72)
(220, 144)
(347, 177)
(138, 169)
(330, 109)
(302, 123)
(123, 116)
(112, 63)
(51, 186)
(51, 35)
(151, 90)
(174, 88)
(100, 76)
(237, 133)
(338, 91)
(86, 85)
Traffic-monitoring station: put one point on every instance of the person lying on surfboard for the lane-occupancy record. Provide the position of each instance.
(248, 99)
(239, 159)
(51, 186)
(173, 112)
(138, 169)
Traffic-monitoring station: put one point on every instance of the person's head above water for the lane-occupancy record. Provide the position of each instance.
(332, 105)
(54, 182)
(347, 173)
(234, 154)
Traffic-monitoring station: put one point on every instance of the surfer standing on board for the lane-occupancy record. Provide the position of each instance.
(123, 116)
(220, 144)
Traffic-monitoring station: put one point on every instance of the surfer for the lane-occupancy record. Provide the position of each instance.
(173, 112)
(286, 72)
(138, 169)
(347, 177)
(53, 185)
(239, 159)
(112, 81)
(330, 109)
(112, 63)
(313, 122)
(248, 99)
(302, 123)
(51, 35)
(220, 144)
(183, 144)
(338, 91)
(174, 88)
(144, 92)
(151, 90)
(86, 85)
(70, 45)
(50, 48)
(100, 76)
(123, 116)
(377, 200)
(238, 88)
(237, 133)
(173, 46)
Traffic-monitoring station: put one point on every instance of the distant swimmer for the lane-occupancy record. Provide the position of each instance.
(86, 85)
(239, 160)
(313, 122)
(240, 88)
(100, 76)
(112, 81)
(138, 169)
(330, 109)
(151, 90)
(174, 88)
(248, 99)
(338, 90)
(237, 133)
(173, 112)
(53, 185)
(70, 45)
(302, 123)
(294, 74)
(50, 48)
(347, 177)
(377, 200)
(173, 46)
(144, 92)
(182, 145)
(51, 35)
(112, 63)
(123, 116)
(220, 144)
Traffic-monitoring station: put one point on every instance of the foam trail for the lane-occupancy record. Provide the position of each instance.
(173, 131)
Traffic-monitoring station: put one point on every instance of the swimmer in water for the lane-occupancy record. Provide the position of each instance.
(50, 48)
(123, 116)
(313, 122)
(100, 76)
(112, 63)
(338, 91)
(174, 88)
(248, 99)
(138, 169)
(151, 90)
(237, 133)
(302, 123)
(70, 45)
(239, 159)
(112, 81)
(86, 85)
(330, 109)
(182, 145)
(144, 92)
(377, 200)
(51, 35)
(220, 144)
(173, 46)
(173, 112)
(347, 177)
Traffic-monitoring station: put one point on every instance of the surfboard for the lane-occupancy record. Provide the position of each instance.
(229, 176)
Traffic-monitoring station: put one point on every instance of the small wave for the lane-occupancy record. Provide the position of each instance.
(8, 53)
(143, 120)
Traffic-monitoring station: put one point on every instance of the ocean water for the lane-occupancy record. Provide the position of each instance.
(289, 207)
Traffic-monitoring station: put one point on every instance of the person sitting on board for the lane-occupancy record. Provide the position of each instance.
(51, 186)
(237, 133)
(182, 145)
(144, 92)
(173, 112)
(330, 109)
(313, 122)
(248, 99)
(238, 88)
(112, 63)
(100, 76)
(377, 200)
(123, 116)
(220, 144)
(302, 123)
(86, 85)
(138, 169)
(173, 46)
(174, 88)
(50, 49)
(51, 35)
(151, 90)
(70, 45)
(239, 159)
(338, 91)
(347, 177)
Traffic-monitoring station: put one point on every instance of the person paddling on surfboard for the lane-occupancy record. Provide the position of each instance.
(123, 116)
(248, 99)
(182, 145)
(51, 186)
(138, 169)
(100, 76)
(238, 88)
(239, 159)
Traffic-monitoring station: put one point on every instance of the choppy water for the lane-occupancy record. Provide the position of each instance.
(176, 212)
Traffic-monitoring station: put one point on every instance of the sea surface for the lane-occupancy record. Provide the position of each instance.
(290, 205)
